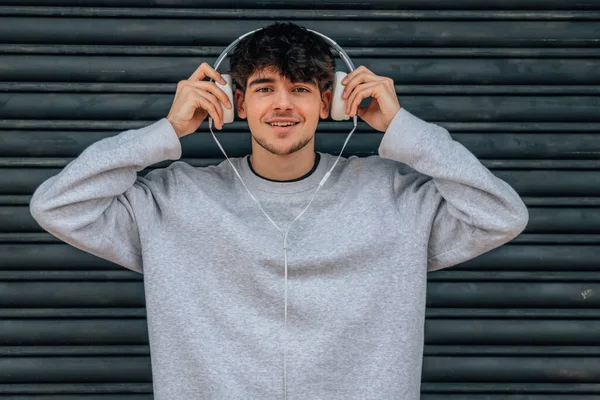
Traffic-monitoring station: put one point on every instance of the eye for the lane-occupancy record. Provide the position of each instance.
(258, 90)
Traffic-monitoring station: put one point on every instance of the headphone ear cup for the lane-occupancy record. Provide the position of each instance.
(228, 113)
(338, 104)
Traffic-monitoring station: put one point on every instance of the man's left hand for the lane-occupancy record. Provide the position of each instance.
(362, 83)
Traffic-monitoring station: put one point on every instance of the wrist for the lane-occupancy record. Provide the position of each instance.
(179, 134)
(389, 122)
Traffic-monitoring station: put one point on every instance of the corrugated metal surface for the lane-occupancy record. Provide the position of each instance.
(517, 82)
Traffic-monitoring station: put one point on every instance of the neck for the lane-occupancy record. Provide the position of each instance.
(283, 167)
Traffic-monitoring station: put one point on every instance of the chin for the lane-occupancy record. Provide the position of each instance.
(284, 150)
(286, 147)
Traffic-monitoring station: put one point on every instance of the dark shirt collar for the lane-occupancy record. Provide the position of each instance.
(317, 158)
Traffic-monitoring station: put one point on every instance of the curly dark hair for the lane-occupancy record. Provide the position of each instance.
(285, 48)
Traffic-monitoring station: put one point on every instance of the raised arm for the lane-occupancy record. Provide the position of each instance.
(98, 204)
(462, 207)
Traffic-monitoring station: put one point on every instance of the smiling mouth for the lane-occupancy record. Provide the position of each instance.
(285, 128)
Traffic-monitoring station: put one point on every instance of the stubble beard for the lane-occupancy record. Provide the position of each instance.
(299, 145)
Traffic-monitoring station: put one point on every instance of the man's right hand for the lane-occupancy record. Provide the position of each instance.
(195, 99)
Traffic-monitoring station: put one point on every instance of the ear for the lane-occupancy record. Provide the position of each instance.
(240, 103)
(325, 103)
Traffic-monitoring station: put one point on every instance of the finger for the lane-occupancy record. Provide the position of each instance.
(351, 74)
(360, 70)
(355, 81)
(205, 70)
(210, 99)
(198, 74)
(370, 81)
(351, 83)
(203, 99)
(213, 89)
(365, 91)
(212, 73)
(358, 95)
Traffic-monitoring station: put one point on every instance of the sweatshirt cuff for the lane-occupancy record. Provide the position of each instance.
(162, 142)
(400, 140)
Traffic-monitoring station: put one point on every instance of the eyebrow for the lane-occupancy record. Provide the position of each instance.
(270, 80)
(261, 80)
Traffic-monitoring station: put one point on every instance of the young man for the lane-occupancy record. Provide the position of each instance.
(213, 264)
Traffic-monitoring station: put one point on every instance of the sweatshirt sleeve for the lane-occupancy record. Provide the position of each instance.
(98, 204)
(453, 199)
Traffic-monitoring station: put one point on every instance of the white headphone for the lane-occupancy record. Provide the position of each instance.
(337, 112)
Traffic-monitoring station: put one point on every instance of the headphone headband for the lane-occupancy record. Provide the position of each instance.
(341, 51)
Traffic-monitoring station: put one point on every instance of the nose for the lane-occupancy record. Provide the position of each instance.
(282, 100)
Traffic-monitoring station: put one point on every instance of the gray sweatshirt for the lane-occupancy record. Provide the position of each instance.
(213, 264)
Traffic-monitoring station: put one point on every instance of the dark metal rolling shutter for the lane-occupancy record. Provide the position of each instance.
(516, 82)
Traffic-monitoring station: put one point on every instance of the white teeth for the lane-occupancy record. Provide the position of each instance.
(283, 123)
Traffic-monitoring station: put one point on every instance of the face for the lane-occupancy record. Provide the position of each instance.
(270, 96)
